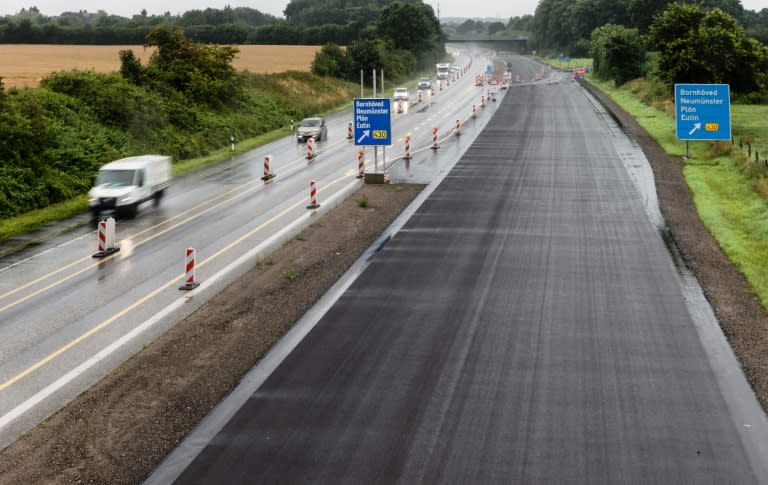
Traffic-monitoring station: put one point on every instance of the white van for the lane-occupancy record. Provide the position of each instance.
(124, 184)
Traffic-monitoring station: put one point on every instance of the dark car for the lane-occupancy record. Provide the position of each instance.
(311, 128)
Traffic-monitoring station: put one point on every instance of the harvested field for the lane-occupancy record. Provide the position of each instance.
(25, 65)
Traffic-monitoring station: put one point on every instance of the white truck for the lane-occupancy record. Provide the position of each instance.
(443, 70)
(124, 184)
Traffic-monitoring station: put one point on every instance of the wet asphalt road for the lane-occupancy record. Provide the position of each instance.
(66, 320)
(527, 325)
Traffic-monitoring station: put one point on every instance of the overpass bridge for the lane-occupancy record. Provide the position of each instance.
(516, 44)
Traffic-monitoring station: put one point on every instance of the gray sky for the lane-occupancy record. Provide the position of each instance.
(448, 8)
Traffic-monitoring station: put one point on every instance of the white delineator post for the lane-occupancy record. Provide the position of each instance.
(190, 283)
(434, 146)
(310, 148)
(360, 163)
(313, 195)
(106, 238)
(268, 175)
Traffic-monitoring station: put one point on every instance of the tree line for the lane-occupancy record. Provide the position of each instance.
(706, 41)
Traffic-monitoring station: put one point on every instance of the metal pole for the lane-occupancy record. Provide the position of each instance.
(382, 81)
(375, 159)
(374, 83)
(362, 95)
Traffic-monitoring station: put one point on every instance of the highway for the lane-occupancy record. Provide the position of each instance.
(66, 319)
(527, 324)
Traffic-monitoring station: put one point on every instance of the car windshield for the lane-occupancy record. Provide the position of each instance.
(115, 178)
(401, 91)
(311, 122)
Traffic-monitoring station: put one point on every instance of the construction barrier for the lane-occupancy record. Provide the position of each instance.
(458, 127)
(360, 163)
(268, 175)
(106, 238)
(474, 111)
(313, 195)
(434, 146)
(482, 101)
(310, 148)
(349, 132)
(419, 95)
(408, 146)
(190, 283)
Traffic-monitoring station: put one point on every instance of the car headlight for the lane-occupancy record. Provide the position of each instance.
(125, 199)
(93, 200)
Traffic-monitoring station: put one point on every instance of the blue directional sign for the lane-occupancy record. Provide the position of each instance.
(489, 69)
(373, 121)
(703, 111)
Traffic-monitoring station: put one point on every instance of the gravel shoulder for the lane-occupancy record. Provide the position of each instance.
(120, 429)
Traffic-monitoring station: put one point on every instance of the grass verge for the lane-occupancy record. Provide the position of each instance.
(729, 187)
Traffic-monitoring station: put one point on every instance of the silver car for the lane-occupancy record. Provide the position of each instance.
(311, 128)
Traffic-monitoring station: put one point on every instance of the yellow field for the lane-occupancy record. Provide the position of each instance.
(26, 65)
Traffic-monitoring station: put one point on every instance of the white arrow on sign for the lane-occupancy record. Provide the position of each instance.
(365, 135)
(696, 127)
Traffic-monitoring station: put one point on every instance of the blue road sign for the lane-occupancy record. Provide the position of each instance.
(703, 111)
(489, 69)
(373, 121)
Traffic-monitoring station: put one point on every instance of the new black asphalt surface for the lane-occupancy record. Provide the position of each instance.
(527, 325)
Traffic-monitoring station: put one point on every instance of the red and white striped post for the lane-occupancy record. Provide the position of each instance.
(190, 283)
(419, 95)
(268, 175)
(106, 238)
(313, 195)
(360, 163)
(310, 148)
(482, 101)
(434, 146)
(408, 146)
(433, 91)
(458, 128)
(474, 111)
(349, 131)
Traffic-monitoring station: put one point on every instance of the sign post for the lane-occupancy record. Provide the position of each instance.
(702, 112)
(373, 123)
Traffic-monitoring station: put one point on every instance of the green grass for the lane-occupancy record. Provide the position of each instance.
(729, 190)
(37, 218)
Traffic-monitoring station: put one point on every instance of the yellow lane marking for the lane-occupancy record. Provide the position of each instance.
(21, 375)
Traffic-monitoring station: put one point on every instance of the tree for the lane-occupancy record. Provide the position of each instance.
(411, 27)
(698, 46)
(203, 71)
(331, 61)
(617, 53)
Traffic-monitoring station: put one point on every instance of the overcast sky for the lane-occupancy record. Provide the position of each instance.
(126, 8)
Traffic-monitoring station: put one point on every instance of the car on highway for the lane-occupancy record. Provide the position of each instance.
(401, 94)
(311, 128)
(425, 83)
